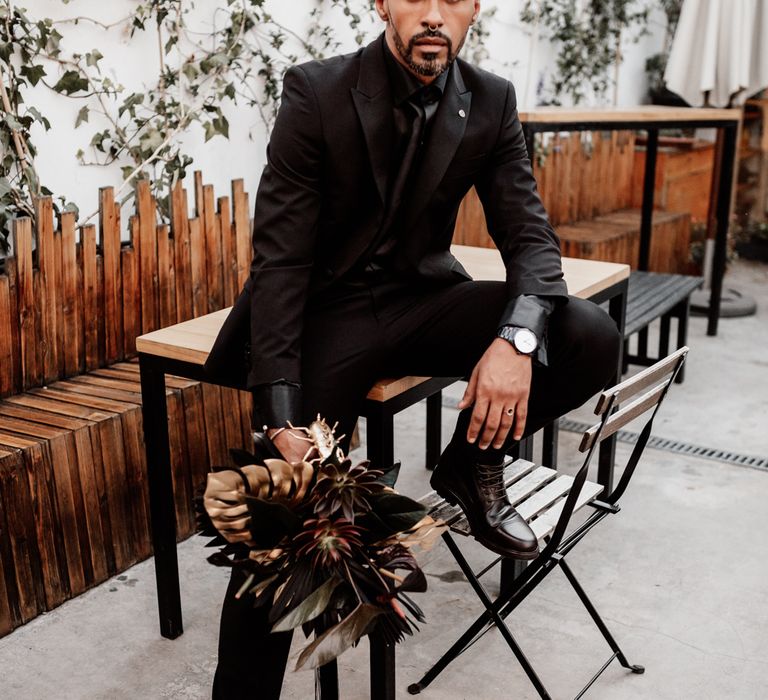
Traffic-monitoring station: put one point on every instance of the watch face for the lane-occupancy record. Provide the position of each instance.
(525, 341)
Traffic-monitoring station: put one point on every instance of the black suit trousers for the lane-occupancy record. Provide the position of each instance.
(368, 329)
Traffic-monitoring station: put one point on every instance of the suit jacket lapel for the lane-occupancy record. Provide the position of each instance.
(444, 138)
(373, 102)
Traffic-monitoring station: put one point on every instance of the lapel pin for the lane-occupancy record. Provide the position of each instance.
(462, 113)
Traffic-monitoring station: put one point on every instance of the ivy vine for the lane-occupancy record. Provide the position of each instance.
(240, 61)
(588, 37)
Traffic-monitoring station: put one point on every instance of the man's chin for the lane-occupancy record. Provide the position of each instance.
(429, 69)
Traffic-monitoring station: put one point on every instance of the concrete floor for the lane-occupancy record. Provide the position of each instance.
(681, 576)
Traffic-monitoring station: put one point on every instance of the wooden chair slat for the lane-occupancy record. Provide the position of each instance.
(633, 385)
(623, 416)
(545, 523)
(542, 499)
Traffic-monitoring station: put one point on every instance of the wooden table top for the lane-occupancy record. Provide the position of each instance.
(641, 113)
(191, 341)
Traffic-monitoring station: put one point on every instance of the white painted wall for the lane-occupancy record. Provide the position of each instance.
(516, 52)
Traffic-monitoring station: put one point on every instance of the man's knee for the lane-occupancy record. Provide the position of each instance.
(583, 332)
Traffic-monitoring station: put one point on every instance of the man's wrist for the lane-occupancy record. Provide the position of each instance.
(523, 340)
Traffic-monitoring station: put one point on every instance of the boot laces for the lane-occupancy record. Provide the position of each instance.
(490, 478)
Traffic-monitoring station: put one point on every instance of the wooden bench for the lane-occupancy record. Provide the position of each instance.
(653, 296)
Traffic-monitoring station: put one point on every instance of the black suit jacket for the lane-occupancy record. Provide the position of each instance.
(321, 201)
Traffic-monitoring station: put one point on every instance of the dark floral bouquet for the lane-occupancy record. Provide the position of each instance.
(325, 544)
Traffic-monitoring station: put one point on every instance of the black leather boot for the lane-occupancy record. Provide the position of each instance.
(479, 490)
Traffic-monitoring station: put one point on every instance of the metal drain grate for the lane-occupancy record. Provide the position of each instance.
(686, 448)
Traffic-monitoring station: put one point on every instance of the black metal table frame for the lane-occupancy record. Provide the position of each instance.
(722, 177)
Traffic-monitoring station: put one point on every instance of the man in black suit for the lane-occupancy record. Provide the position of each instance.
(352, 278)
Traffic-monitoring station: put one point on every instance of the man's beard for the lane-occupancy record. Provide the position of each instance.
(431, 67)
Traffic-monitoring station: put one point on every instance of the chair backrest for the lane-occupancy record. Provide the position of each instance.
(642, 399)
(658, 377)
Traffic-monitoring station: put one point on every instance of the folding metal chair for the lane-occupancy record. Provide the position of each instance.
(548, 500)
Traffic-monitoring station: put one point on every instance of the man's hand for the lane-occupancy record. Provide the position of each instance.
(500, 381)
(289, 443)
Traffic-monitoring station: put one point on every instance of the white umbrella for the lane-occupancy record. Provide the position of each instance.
(719, 53)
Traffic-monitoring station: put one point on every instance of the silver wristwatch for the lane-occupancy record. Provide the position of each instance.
(523, 340)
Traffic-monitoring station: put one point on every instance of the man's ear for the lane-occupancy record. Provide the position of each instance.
(382, 10)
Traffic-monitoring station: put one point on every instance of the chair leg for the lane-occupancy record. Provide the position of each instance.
(380, 427)
(327, 681)
(382, 664)
(664, 335)
(434, 419)
(597, 619)
(642, 343)
(683, 314)
(474, 632)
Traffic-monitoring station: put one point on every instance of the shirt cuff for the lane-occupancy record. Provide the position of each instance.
(275, 404)
(531, 312)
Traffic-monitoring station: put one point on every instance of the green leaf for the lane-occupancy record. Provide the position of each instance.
(312, 606)
(93, 58)
(339, 638)
(70, 83)
(82, 116)
(32, 73)
(12, 121)
(397, 511)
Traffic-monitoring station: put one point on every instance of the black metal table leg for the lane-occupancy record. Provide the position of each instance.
(382, 668)
(549, 444)
(380, 426)
(161, 504)
(649, 191)
(725, 184)
(434, 419)
(617, 309)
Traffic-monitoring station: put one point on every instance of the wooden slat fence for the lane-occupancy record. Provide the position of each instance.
(73, 495)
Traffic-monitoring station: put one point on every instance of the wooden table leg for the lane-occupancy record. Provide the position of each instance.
(382, 668)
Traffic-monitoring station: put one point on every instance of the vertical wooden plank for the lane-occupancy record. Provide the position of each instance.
(6, 345)
(199, 198)
(72, 335)
(46, 260)
(15, 496)
(110, 439)
(49, 536)
(15, 325)
(241, 221)
(110, 249)
(197, 269)
(213, 252)
(89, 482)
(31, 373)
(10, 601)
(146, 208)
(131, 290)
(135, 482)
(228, 252)
(89, 269)
(166, 289)
(180, 229)
(100, 313)
(7, 622)
(59, 338)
